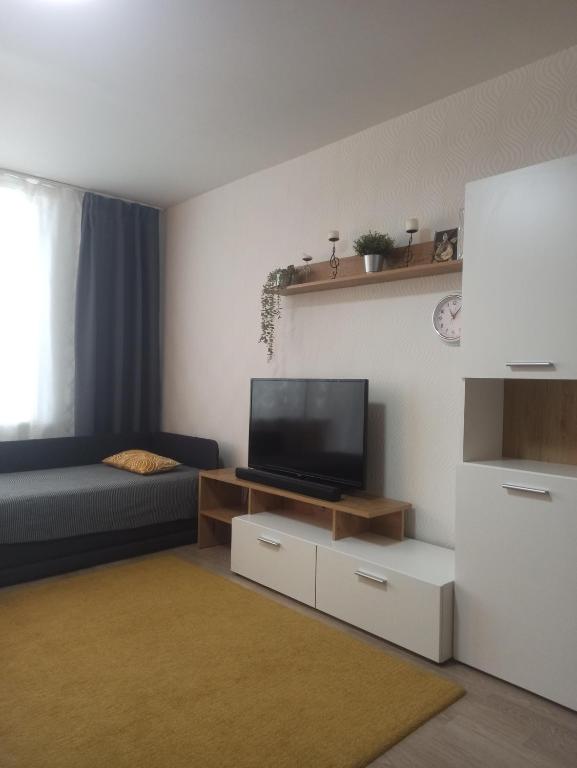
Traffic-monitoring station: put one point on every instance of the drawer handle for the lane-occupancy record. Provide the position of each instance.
(371, 577)
(530, 364)
(526, 489)
(270, 542)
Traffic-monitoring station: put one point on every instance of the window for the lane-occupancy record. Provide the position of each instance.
(21, 307)
(39, 238)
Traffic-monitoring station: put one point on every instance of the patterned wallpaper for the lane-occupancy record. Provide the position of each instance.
(221, 245)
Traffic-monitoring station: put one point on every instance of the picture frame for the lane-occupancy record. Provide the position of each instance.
(445, 245)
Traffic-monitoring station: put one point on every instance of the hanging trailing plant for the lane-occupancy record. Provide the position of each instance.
(270, 307)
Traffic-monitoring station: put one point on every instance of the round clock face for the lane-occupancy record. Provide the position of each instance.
(447, 318)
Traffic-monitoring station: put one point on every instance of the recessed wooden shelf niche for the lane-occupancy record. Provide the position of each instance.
(540, 420)
(352, 271)
(529, 419)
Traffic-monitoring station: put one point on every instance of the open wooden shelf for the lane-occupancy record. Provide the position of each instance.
(223, 496)
(351, 272)
(218, 504)
(223, 514)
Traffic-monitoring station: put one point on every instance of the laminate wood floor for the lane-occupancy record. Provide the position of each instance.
(496, 725)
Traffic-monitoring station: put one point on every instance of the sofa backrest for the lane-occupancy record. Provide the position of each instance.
(49, 453)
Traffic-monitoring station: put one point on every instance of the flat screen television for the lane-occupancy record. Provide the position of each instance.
(314, 429)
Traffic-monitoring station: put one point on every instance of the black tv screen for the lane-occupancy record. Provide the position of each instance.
(310, 428)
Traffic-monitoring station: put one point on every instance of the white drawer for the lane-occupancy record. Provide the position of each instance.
(277, 560)
(412, 613)
(516, 577)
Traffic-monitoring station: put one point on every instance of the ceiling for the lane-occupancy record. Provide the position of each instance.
(159, 100)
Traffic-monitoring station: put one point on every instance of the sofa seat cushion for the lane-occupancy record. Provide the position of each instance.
(41, 505)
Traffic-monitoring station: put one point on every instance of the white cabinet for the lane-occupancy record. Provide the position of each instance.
(276, 559)
(401, 591)
(407, 611)
(516, 575)
(516, 518)
(520, 274)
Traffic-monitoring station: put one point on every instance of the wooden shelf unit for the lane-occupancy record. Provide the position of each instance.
(352, 272)
(218, 503)
(223, 496)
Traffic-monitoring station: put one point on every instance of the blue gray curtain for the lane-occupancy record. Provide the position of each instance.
(117, 318)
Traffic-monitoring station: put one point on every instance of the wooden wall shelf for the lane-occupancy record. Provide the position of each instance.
(352, 273)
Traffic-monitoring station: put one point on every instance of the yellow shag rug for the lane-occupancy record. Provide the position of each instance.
(161, 664)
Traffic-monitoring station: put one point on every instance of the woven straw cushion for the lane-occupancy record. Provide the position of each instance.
(141, 462)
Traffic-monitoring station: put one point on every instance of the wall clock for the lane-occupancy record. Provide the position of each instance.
(447, 318)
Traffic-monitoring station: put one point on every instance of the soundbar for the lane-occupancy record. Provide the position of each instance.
(294, 484)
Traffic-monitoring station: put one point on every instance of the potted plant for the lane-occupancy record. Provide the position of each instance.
(374, 246)
(270, 310)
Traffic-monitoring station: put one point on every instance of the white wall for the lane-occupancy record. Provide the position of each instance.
(222, 244)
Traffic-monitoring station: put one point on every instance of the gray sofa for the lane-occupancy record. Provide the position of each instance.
(62, 509)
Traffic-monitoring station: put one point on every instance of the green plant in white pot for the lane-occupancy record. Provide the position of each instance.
(373, 247)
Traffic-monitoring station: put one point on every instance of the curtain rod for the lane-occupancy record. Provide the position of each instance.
(52, 182)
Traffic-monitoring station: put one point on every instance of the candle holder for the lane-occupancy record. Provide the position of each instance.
(334, 260)
(411, 227)
(307, 267)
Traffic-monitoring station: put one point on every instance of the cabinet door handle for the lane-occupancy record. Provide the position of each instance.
(526, 489)
(271, 542)
(371, 577)
(530, 364)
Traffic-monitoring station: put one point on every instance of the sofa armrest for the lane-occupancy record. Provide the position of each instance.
(193, 451)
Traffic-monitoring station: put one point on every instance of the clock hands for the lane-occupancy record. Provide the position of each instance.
(454, 315)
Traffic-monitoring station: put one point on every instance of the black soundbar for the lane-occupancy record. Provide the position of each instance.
(294, 484)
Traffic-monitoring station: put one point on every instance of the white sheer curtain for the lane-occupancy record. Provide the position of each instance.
(39, 243)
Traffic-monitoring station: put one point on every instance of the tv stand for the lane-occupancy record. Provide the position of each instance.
(223, 496)
(287, 483)
(347, 558)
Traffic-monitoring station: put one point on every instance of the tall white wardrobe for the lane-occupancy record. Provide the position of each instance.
(516, 525)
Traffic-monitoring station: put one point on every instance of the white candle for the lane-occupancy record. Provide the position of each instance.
(412, 225)
(334, 234)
